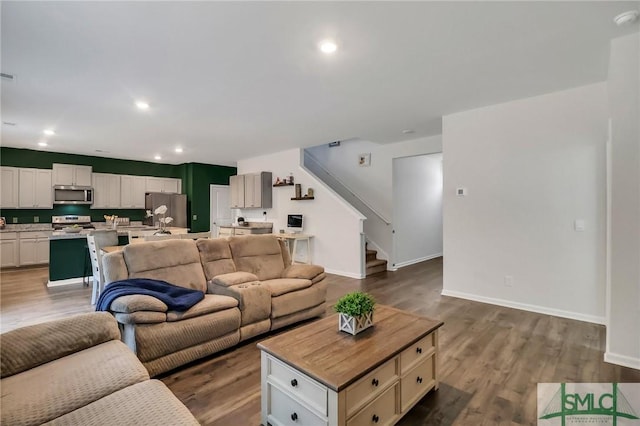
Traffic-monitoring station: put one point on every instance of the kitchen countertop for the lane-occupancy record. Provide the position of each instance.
(20, 227)
(251, 225)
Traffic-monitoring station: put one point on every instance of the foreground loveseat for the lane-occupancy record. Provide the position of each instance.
(76, 371)
(251, 288)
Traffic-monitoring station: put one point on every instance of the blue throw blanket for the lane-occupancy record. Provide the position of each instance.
(176, 298)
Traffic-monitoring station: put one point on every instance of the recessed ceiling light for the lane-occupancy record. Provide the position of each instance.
(49, 132)
(157, 157)
(179, 150)
(328, 47)
(142, 105)
(626, 17)
(408, 131)
(42, 143)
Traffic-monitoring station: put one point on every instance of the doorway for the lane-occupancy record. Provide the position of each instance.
(220, 209)
(417, 209)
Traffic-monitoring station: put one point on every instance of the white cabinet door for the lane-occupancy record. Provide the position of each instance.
(8, 253)
(28, 252)
(42, 250)
(34, 189)
(43, 189)
(106, 191)
(158, 184)
(236, 186)
(253, 190)
(132, 189)
(9, 194)
(82, 175)
(70, 174)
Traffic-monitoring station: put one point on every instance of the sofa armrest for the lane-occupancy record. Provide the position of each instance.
(307, 272)
(114, 268)
(234, 278)
(28, 347)
(137, 302)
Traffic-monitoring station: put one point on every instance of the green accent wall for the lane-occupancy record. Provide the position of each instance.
(196, 178)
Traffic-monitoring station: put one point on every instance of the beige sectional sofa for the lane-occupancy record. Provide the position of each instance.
(76, 371)
(251, 288)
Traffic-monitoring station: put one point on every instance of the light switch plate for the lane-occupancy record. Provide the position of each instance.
(579, 225)
(195, 217)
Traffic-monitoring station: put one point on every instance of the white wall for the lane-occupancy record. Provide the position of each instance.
(417, 183)
(374, 183)
(623, 325)
(335, 225)
(531, 168)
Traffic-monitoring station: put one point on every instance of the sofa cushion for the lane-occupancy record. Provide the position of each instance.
(254, 299)
(58, 387)
(210, 303)
(302, 271)
(157, 340)
(215, 256)
(140, 317)
(281, 286)
(174, 261)
(259, 254)
(34, 345)
(227, 280)
(300, 300)
(146, 403)
(137, 302)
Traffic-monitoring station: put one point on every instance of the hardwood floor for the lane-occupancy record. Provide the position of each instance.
(491, 357)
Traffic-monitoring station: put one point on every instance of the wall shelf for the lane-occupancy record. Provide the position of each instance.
(282, 184)
(302, 198)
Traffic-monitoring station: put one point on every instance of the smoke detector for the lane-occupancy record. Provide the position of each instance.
(625, 18)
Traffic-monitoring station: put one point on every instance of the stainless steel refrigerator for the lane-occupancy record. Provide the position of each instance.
(176, 208)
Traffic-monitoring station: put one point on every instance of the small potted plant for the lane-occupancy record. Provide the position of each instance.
(356, 312)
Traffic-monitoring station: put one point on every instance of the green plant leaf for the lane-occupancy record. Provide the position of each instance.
(355, 304)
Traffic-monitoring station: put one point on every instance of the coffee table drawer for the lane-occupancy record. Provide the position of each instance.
(381, 411)
(369, 386)
(421, 349)
(284, 410)
(304, 388)
(416, 382)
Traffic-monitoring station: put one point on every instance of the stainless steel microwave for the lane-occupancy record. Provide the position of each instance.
(68, 194)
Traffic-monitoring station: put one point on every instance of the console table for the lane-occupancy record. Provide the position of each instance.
(317, 375)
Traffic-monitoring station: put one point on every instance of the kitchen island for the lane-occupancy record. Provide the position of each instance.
(69, 261)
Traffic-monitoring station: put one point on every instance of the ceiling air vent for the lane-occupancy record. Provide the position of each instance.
(334, 144)
(5, 76)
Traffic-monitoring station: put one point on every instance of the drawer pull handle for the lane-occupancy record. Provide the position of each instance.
(294, 382)
(419, 350)
(375, 419)
(294, 416)
(375, 382)
(419, 379)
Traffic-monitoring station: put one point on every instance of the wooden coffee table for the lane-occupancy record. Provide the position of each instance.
(317, 375)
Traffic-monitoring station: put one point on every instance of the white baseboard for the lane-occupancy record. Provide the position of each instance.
(414, 261)
(69, 281)
(344, 274)
(623, 360)
(526, 307)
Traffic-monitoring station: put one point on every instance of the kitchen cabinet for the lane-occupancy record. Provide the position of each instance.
(8, 249)
(34, 189)
(33, 247)
(158, 184)
(106, 191)
(236, 188)
(70, 174)
(258, 190)
(9, 189)
(132, 189)
(251, 190)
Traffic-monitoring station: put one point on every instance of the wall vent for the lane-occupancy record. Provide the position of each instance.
(334, 144)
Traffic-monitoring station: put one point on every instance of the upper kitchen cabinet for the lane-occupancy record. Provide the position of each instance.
(169, 185)
(106, 191)
(132, 189)
(258, 190)
(9, 189)
(251, 190)
(69, 174)
(34, 189)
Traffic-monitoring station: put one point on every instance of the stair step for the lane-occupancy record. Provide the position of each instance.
(376, 266)
(371, 255)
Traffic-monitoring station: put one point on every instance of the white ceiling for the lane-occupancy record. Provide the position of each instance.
(232, 80)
